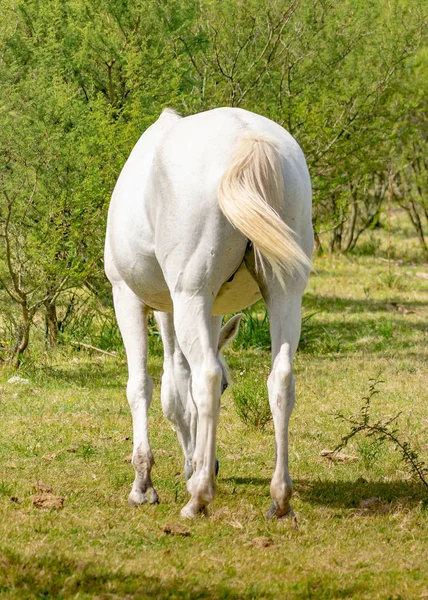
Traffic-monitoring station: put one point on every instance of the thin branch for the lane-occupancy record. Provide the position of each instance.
(190, 55)
(90, 347)
(49, 296)
(7, 290)
(30, 200)
(382, 431)
(219, 65)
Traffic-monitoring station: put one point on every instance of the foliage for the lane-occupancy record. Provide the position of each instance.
(80, 82)
(254, 332)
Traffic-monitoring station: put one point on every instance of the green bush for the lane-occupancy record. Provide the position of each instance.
(251, 401)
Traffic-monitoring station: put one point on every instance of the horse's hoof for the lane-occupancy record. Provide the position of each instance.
(275, 512)
(136, 498)
(190, 511)
(152, 496)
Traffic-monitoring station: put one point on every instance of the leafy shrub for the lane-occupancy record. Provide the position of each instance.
(251, 401)
(368, 247)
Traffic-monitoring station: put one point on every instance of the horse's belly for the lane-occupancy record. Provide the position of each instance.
(143, 275)
(158, 301)
(237, 294)
(233, 296)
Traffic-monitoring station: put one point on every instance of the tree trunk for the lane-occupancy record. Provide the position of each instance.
(51, 321)
(336, 238)
(416, 222)
(23, 336)
(317, 242)
(352, 223)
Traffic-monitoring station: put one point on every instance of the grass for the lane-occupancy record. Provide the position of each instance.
(70, 428)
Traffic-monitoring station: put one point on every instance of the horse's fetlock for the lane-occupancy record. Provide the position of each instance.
(143, 461)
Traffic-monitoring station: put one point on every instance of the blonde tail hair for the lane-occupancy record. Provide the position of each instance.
(249, 194)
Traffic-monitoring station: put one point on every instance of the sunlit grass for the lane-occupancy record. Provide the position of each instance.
(70, 428)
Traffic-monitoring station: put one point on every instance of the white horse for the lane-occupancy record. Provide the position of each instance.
(210, 213)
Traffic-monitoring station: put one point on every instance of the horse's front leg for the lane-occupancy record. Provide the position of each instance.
(131, 316)
(176, 396)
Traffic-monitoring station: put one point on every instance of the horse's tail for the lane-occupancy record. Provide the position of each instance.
(249, 194)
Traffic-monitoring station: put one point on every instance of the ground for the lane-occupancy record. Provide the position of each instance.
(362, 525)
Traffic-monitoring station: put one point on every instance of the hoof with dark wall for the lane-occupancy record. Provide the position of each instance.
(136, 497)
(275, 512)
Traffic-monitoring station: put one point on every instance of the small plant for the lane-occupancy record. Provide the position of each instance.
(254, 332)
(254, 329)
(369, 452)
(369, 247)
(317, 339)
(309, 332)
(86, 450)
(392, 281)
(5, 489)
(251, 403)
(381, 432)
(384, 328)
(154, 337)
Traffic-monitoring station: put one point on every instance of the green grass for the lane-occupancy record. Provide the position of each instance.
(71, 428)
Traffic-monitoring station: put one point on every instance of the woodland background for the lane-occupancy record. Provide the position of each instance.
(80, 81)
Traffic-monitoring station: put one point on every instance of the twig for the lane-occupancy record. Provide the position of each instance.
(382, 431)
(90, 347)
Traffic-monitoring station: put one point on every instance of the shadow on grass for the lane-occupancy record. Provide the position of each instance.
(94, 374)
(53, 576)
(252, 481)
(349, 494)
(336, 304)
(370, 332)
(345, 494)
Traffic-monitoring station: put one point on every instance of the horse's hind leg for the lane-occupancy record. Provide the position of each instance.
(285, 323)
(192, 322)
(131, 316)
